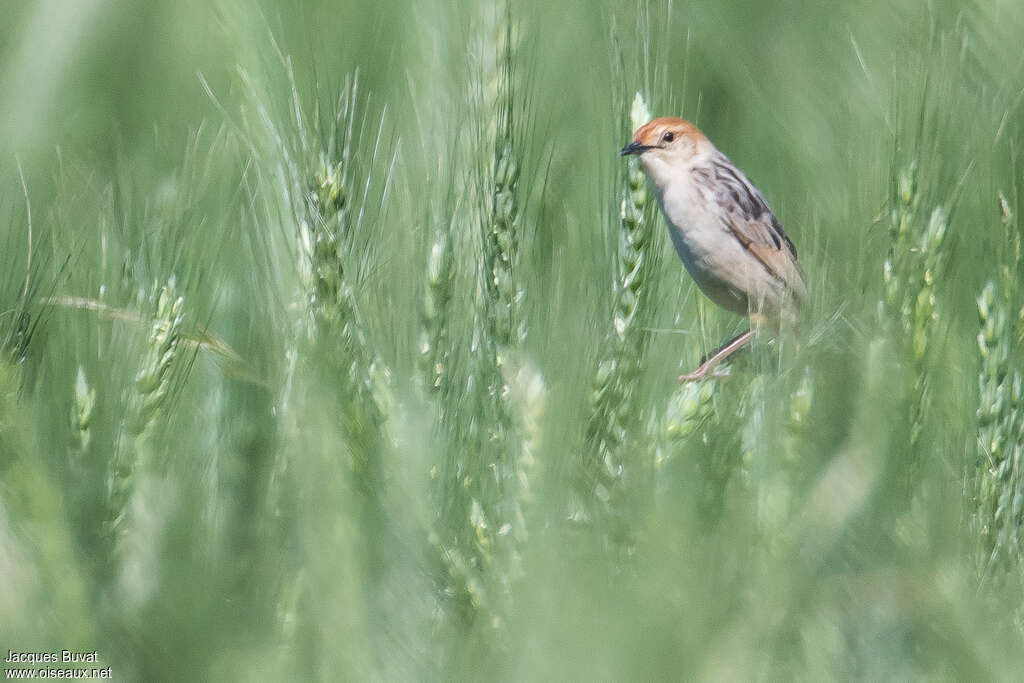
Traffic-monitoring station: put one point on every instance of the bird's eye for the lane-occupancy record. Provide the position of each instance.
(668, 137)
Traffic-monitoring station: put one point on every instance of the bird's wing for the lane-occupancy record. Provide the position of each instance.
(749, 219)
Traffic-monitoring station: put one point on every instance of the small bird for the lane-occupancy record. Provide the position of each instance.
(729, 240)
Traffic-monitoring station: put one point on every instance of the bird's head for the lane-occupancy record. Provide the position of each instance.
(666, 144)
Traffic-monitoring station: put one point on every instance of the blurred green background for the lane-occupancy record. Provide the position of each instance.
(340, 344)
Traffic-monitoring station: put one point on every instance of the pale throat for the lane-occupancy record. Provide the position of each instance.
(666, 172)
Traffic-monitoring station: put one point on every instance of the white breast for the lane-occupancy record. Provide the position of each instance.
(714, 257)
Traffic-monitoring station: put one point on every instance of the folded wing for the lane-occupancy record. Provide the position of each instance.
(749, 219)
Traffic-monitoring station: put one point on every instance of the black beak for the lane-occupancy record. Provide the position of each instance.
(634, 148)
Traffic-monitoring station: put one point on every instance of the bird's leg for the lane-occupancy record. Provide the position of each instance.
(708, 363)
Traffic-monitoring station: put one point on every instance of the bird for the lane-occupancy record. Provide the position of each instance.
(723, 230)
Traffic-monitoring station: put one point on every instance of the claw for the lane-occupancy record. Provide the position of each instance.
(708, 364)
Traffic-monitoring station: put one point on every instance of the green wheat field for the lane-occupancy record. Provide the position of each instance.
(337, 342)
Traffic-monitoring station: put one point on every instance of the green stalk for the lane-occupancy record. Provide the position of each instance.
(916, 261)
(322, 166)
(605, 466)
(83, 407)
(688, 411)
(999, 516)
(492, 433)
(45, 595)
(434, 348)
(501, 225)
(153, 384)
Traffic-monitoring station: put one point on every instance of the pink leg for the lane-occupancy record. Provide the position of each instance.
(707, 365)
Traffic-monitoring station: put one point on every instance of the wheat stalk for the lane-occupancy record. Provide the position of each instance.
(916, 262)
(613, 410)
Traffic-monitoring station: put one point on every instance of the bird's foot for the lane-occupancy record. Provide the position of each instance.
(706, 371)
(709, 365)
